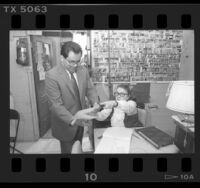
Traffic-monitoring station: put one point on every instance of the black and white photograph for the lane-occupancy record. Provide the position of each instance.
(102, 91)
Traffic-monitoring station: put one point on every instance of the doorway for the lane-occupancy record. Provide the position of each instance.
(42, 55)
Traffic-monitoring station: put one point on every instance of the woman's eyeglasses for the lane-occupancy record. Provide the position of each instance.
(120, 94)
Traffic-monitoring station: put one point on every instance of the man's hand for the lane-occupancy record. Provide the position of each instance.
(83, 123)
(87, 123)
(84, 114)
(109, 104)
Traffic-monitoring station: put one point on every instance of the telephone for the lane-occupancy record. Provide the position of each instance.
(22, 52)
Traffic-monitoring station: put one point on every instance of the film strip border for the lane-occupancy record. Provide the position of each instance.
(102, 16)
(111, 168)
(89, 164)
(113, 21)
(103, 168)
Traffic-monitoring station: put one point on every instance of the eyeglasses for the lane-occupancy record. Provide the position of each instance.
(120, 94)
(73, 63)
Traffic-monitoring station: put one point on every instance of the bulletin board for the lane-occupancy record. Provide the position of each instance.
(136, 55)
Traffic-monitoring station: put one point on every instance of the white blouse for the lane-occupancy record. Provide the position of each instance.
(117, 119)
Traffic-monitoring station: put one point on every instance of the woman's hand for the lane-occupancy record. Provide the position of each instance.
(96, 106)
(109, 104)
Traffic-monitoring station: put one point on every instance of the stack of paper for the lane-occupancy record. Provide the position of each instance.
(115, 140)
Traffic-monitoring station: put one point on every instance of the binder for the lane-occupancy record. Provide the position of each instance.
(155, 136)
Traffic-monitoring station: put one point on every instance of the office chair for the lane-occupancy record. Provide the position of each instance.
(14, 115)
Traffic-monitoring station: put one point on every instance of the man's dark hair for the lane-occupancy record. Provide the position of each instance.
(70, 46)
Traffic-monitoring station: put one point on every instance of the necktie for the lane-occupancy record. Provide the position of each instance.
(76, 90)
(79, 133)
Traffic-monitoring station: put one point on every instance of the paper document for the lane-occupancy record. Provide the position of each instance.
(115, 140)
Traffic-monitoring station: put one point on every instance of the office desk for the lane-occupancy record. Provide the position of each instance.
(138, 144)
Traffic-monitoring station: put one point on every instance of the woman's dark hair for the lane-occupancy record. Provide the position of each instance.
(70, 46)
(125, 87)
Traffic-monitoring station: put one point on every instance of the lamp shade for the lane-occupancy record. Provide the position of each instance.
(181, 97)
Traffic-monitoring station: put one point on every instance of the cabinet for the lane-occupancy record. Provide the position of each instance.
(184, 136)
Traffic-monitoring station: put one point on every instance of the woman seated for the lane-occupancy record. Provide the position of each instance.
(122, 112)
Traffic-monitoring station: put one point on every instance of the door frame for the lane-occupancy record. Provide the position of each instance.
(35, 74)
(32, 93)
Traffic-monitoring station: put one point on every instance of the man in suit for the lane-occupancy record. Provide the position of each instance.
(67, 85)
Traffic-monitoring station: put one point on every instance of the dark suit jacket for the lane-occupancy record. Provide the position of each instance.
(62, 101)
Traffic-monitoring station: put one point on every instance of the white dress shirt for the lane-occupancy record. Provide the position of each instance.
(75, 76)
(117, 119)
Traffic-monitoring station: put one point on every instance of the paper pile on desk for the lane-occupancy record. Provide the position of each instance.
(115, 140)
